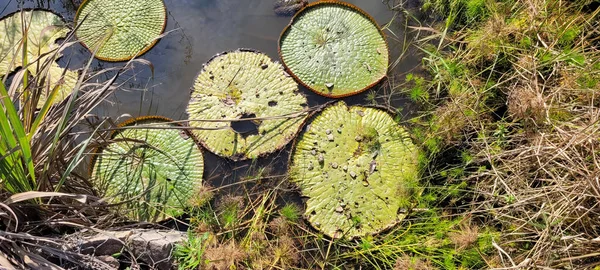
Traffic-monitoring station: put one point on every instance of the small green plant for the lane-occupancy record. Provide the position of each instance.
(190, 254)
(290, 212)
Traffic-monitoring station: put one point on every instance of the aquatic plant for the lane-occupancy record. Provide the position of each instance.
(334, 48)
(154, 164)
(357, 167)
(43, 29)
(245, 86)
(118, 30)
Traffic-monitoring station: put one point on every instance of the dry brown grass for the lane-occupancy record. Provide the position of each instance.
(546, 192)
(409, 263)
(535, 167)
(224, 256)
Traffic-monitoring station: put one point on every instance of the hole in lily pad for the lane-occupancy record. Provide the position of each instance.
(246, 128)
(272, 103)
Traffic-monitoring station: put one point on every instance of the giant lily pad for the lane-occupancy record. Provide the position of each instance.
(358, 169)
(120, 29)
(43, 29)
(334, 48)
(245, 84)
(157, 166)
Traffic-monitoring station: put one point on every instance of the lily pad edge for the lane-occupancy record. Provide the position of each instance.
(336, 2)
(142, 52)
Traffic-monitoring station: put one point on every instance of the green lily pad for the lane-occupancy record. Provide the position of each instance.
(245, 84)
(120, 29)
(159, 168)
(358, 169)
(44, 28)
(334, 48)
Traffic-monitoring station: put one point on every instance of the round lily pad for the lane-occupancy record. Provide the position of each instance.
(334, 48)
(358, 169)
(239, 88)
(43, 29)
(154, 164)
(120, 29)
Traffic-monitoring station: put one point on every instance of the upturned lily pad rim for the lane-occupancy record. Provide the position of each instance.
(236, 158)
(309, 119)
(142, 52)
(132, 121)
(62, 18)
(330, 2)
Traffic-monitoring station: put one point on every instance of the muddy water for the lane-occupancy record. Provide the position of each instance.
(199, 30)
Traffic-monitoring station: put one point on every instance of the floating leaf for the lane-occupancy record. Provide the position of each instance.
(120, 29)
(357, 167)
(44, 28)
(334, 48)
(158, 167)
(245, 84)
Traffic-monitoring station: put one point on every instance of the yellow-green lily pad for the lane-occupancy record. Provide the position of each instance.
(43, 29)
(245, 84)
(335, 49)
(358, 169)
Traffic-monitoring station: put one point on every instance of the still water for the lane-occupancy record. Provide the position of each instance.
(199, 29)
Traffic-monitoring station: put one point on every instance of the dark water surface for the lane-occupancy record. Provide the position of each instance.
(201, 29)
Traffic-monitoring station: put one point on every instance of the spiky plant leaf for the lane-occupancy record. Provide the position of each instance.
(43, 29)
(158, 168)
(56, 76)
(334, 48)
(120, 29)
(357, 167)
(241, 84)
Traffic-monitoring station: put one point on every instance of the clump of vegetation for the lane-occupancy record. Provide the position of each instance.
(39, 151)
(512, 100)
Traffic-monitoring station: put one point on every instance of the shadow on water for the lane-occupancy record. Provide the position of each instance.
(201, 29)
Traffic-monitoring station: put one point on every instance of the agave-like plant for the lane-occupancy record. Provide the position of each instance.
(334, 48)
(358, 169)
